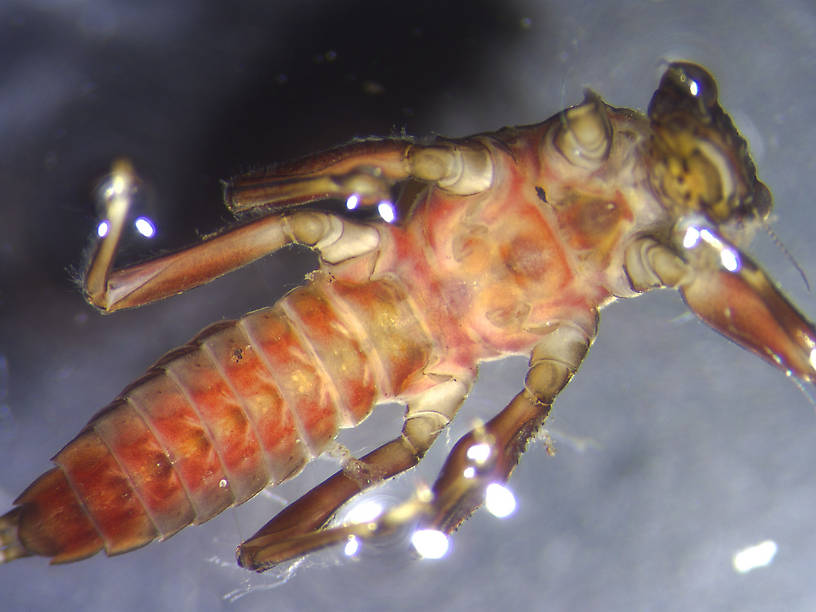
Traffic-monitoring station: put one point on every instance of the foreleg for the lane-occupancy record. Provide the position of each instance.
(729, 292)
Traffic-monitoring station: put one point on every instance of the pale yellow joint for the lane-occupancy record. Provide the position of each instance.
(554, 360)
(116, 194)
(566, 344)
(584, 137)
(334, 238)
(431, 411)
(545, 379)
(347, 240)
(650, 265)
(307, 228)
(459, 169)
(671, 269)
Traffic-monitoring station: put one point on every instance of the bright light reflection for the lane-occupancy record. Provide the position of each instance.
(479, 453)
(352, 201)
(812, 358)
(694, 88)
(469, 472)
(691, 237)
(430, 543)
(364, 512)
(119, 183)
(352, 546)
(752, 557)
(145, 227)
(102, 229)
(499, 500)
(729, 259)
(387, 211)
(709, 237)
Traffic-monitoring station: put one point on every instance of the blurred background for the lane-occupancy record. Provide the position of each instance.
(675, 449)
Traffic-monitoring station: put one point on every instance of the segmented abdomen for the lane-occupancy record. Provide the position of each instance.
(245, 403)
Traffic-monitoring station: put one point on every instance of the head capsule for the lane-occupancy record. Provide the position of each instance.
(698, 161)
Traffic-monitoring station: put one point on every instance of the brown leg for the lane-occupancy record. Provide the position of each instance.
(460, 487)
(366, 169)
(297, 530)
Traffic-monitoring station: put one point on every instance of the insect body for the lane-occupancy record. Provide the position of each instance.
(508, 243)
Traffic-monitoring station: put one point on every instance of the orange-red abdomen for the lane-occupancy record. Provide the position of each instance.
(246, 403)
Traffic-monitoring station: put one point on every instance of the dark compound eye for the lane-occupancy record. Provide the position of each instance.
(693, 81)
(684, 87)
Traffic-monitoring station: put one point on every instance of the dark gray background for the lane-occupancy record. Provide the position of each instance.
(675, 448)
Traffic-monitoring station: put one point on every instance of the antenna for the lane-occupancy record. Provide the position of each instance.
(785, 250)
(805, 391)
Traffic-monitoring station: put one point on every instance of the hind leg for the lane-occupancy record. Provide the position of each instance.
(298, 529)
